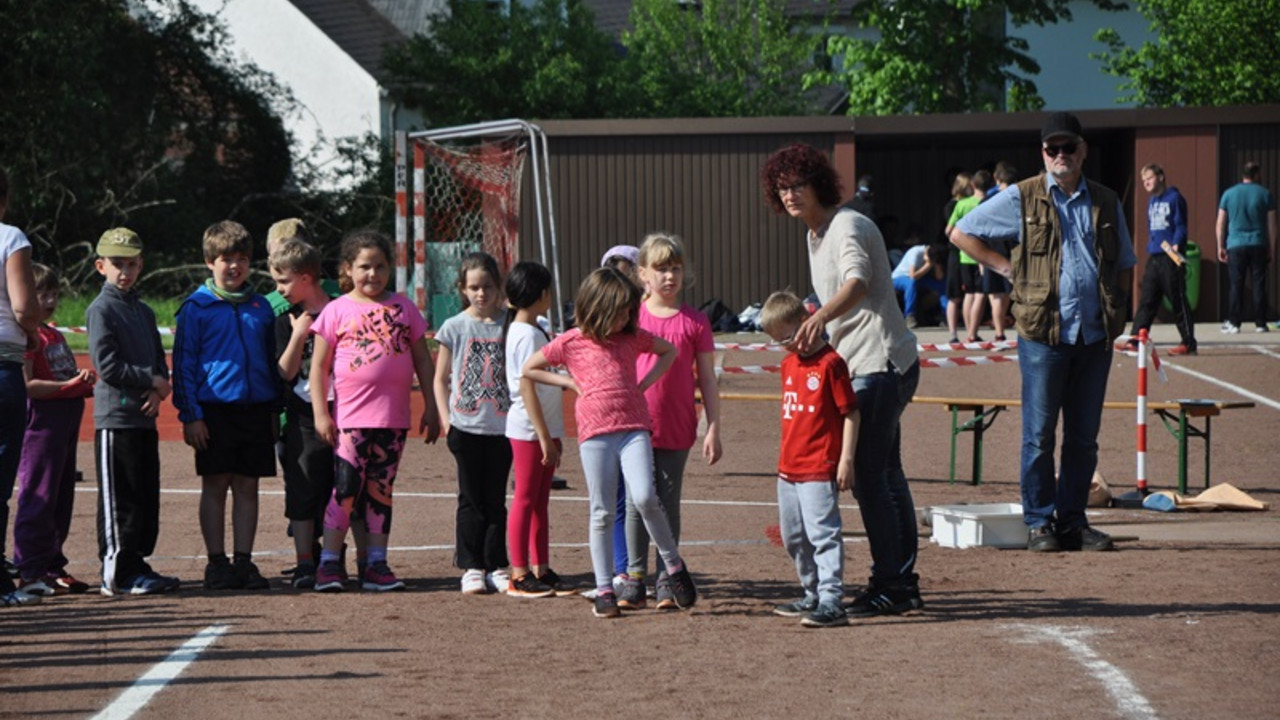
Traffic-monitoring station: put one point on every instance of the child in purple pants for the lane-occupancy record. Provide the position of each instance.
(56, 390)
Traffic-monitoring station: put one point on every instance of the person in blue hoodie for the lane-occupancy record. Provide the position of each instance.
(1164, 276)
(227, 393)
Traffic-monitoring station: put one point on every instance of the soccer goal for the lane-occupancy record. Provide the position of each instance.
(466, 185)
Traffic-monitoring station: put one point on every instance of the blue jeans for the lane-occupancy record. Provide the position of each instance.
(880, 485)
(1071, 380)
(809, 514)
(13, 425)
(910, 290)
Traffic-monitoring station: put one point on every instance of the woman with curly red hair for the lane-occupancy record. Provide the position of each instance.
(851, 275)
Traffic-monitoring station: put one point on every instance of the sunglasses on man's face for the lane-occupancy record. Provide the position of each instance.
(1066, 148)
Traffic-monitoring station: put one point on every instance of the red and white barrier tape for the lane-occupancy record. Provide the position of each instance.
(924, 363)
(930, 347)
(84, 330)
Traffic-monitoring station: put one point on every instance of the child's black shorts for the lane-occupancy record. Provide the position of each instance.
(241, 440)
(308, 468)
(971, 278)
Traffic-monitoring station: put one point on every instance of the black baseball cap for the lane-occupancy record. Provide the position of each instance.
(1061, 123)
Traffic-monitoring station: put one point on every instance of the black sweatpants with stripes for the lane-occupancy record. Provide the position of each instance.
(128, 465)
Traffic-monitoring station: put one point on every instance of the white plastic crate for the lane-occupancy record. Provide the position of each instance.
(992, 525)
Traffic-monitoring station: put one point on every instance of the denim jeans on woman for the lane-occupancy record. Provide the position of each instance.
(13, 425)
(880, 485)
(1070, 380)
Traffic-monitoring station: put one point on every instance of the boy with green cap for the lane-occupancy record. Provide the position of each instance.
(133, 379)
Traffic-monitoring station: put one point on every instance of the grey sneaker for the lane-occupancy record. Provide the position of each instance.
(827, 615)
(632, 596)
(799, 608)
(683, 589)
(666, 600)
(606, 606)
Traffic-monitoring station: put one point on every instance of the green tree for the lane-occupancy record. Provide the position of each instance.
(1206, 53)
(141, 119)
(488, 61)
(720, 58)
(936, 56)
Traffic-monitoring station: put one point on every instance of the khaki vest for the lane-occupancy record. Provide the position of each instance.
(1037, 262)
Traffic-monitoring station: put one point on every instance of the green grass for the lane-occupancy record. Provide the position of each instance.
(71, 314)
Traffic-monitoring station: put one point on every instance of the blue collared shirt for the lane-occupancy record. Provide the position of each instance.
(1000, 218)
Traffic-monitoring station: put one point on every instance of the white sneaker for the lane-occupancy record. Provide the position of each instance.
(498, 581)
(1262, 329)
(473, 582)
(1229, 329)
(18, 598)
(38, 587)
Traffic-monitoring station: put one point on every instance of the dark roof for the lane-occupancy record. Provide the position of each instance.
(356, 26)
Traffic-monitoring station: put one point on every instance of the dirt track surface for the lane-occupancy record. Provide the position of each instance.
(1182, 622)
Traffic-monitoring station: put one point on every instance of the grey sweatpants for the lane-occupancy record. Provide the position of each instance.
(602, 458)
(668, 480)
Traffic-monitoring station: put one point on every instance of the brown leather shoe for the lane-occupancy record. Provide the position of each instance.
(1182, 350)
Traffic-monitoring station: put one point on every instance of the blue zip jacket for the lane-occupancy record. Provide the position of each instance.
(223, 352)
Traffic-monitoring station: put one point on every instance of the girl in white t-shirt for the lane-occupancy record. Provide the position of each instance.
(529, 296)
(372, 342)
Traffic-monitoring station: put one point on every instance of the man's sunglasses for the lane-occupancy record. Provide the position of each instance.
(1067, 148)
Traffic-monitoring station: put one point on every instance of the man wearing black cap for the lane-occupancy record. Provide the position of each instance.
(1071, 267)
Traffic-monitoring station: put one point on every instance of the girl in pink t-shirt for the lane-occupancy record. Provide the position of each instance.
(372, 342)
(671, 403)
(613, 420)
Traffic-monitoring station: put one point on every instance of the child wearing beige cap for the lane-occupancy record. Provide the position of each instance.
(133, 379)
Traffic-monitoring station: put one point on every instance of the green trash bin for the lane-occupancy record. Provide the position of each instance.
(1193, 278)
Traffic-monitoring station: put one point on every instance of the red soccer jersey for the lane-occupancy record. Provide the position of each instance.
(816, 395)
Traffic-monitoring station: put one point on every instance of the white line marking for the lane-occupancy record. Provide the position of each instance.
(1223, 383)
(453, 496)
(155, 679)
(1266, 351)
(1128, 700)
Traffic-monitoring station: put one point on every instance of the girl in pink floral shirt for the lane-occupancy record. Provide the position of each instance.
(613, 420)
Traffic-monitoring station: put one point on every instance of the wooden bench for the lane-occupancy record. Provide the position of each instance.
(986, 410)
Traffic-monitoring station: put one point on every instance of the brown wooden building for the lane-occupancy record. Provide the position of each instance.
(616, 180)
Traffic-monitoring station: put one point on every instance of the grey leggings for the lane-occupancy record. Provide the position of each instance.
(668, 479)
(602, 458)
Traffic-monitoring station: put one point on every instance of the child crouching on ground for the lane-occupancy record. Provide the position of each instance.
(819, 433)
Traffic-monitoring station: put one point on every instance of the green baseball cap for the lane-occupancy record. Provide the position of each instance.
(119, 242)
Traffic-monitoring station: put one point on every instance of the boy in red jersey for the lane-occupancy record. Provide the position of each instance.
(819, 433)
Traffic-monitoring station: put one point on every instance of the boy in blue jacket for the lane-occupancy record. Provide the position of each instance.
(228, 396)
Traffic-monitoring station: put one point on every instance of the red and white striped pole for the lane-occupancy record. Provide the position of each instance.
(1143, 341)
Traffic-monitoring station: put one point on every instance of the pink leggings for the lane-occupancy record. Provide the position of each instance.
(527, 522)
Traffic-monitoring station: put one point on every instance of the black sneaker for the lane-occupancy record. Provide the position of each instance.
(1043, 539)
(248, 576)
(551, 579)
(799, 608)
(528, 586)
(1085, 538)
(632, 595)
(220, 575)
(873, 602)
(304, 576)
(827, 615)
(11, 570)
(606, 606)
(682, 588)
